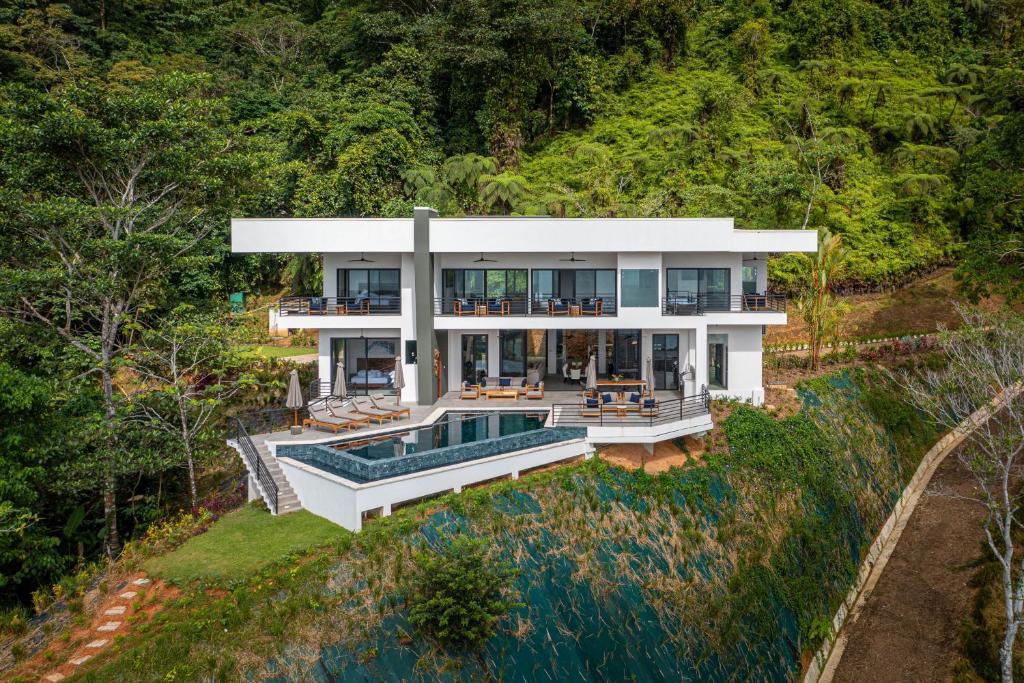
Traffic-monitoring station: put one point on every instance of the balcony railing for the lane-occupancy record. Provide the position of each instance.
(694, 303)
(334, 305)
(618, 415)
(505, 306)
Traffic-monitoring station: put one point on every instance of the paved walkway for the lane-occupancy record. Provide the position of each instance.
(909, 627)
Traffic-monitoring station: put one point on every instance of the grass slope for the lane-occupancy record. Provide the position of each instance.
(241, 543)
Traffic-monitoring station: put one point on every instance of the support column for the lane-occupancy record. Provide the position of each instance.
(701, 357)
(602, 351)
(424, 321)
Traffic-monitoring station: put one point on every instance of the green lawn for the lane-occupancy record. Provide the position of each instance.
(279, 351)
(241, 542)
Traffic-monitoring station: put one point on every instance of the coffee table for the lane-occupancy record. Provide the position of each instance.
(503, 392)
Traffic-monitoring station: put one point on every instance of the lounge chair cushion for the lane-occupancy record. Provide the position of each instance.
(607, 398)
(650, 403)
(591, 402)
(505, 382)
(634, 397)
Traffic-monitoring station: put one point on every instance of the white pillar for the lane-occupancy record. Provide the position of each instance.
(701, 356)
(553, 367)
(408, 330)
(602, 351)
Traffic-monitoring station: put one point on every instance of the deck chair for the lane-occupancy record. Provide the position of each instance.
(320, 417)
(397, 411)
(378, 416)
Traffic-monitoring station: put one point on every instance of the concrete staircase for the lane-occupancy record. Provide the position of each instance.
(287, 500)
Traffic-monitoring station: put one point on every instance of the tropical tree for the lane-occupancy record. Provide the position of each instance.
(109, 191)
(186, 371)
(817, 305)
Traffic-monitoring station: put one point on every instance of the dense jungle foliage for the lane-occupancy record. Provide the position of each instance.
(131, 130)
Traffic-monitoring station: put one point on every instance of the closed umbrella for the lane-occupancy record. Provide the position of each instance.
(592, 374)
(399, 380)
(340, 390)
(294, 400)
(650, 375)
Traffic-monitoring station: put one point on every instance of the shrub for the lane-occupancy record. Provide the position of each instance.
(458, 593)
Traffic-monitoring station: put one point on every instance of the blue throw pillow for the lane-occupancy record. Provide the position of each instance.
(523, 384)
(634, 398)
(505, 382)
(607, 398)
(649, 403)
(591, 402)
(483, 381)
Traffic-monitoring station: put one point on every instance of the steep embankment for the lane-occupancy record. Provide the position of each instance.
(727, 569)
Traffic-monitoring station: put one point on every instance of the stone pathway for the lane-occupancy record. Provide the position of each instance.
(112, 615)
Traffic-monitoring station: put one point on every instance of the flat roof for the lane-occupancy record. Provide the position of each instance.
(511, 234)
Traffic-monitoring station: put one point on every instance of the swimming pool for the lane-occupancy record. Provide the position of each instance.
(453, 428)
(458, 436)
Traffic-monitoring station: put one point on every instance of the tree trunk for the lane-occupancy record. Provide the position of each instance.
(113, 539)
(186, 440)
(1006, 650)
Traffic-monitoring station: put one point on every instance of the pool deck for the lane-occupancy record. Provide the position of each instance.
(425, 415)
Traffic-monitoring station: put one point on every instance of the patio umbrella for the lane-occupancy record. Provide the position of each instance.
(294, 400)
(340, 390)
(592, 374)
(399, 380)
(650, 375)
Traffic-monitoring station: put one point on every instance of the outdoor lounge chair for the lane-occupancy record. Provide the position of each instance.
(378, 416)
(591, 407)
(558, 307)
(536, 392)
(346, 409)
(321, 417)
(593, 307)
(469, 391)
(397, 411)
(649, 406)
(498, 306)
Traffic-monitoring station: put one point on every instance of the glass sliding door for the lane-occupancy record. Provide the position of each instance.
(512, 350)
(685, 287)
(626, 356)
(560, 287)
(373, 290)
(369, 363)
(485, 286)
(665, 358)
(474, 358)
(718, 361)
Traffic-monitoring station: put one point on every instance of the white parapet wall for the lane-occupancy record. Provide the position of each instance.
(344, 502)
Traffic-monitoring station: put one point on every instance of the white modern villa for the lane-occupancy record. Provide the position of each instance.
(608, 329)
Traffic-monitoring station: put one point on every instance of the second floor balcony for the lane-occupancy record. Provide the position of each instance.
(595, 306)
(346, 305)
(699, 303)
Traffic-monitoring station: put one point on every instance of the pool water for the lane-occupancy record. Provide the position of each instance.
(452, 429)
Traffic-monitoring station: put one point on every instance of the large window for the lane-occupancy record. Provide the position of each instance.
(369, 363)
(512, 348)
(578, 285)
(710, 286)
(479, 284)
(626, 356)
(639, 288)
(378, 290)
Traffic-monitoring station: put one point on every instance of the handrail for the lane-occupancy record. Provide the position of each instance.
(666, 411)
(494, 305)
(699, 303)
(256, 466)
(341, 305)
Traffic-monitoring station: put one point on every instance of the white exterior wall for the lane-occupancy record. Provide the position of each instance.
(743, 376)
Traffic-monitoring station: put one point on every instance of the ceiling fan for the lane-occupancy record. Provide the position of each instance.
(362, 259)
(572, 258)
(484, 260)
